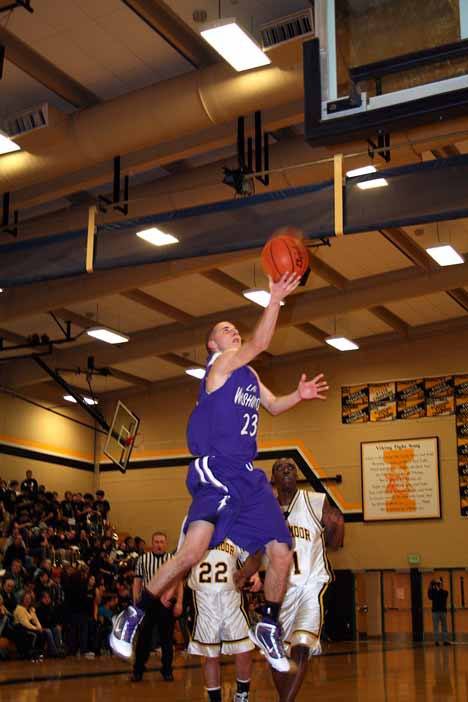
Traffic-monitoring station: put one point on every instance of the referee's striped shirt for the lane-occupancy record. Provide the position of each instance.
(149, 563)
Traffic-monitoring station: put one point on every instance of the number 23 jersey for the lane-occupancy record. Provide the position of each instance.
(225, 421)
(304, 518)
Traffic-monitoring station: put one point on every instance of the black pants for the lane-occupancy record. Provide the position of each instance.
(156, 615)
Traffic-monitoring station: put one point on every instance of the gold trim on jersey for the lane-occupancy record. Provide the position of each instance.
(243, 608)
(195, 615)
(311, 510)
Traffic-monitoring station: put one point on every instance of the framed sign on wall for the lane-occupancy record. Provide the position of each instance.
(400, 479)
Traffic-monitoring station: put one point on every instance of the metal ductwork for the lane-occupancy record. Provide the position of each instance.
(174, 108)
(203, 185)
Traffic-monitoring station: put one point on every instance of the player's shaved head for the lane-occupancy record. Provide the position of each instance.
(220, 329)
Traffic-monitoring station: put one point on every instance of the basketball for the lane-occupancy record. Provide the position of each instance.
(285, 253)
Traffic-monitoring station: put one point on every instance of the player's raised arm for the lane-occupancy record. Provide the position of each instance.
(314, 389)
(233, 358)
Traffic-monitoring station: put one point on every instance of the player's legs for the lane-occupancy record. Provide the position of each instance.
(212, 677)
(288, 685)
(267, 633)
(302, 620)
(279, 563)
(243, 675)
(191, 552)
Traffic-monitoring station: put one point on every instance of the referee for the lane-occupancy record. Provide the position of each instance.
(161, 613)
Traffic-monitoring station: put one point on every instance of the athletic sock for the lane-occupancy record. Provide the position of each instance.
(271, 611)
(243, 686)
(214, 694)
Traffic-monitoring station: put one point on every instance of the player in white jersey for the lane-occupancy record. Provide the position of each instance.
(313, 524)
(221, 621)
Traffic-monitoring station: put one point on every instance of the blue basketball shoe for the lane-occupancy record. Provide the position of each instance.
(125, 627)
(267, 637)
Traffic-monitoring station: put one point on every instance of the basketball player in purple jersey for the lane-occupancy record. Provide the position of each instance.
(230, 498)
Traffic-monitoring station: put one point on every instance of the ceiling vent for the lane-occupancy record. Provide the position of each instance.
(284, 29)
(26, 121)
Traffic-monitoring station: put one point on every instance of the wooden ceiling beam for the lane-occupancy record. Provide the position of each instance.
(409, 248)
(457, 325)
(36, 298)
(156, 305)
(360, 294)
(165, 22)
(390, 319)
(460, 296)
(42, 70)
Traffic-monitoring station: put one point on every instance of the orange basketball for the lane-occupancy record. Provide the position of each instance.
(285, 253)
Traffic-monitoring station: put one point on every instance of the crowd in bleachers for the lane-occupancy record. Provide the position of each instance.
(64, 573)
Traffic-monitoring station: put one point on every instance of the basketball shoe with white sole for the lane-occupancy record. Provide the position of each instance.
(125, 627)
(267, 637)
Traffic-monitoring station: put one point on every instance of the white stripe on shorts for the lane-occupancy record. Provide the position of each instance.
(196, 463)
(214, 481)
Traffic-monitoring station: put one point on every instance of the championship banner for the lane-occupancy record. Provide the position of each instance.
(411, 399)
(382, 402)
(355, 404)
(439, 396)
(461, 411)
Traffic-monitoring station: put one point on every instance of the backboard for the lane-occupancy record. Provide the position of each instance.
(121, 437)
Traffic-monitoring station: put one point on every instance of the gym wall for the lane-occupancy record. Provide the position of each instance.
(60, 453)
(150, 498)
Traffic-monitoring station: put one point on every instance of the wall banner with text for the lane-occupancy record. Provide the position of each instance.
(400, 479)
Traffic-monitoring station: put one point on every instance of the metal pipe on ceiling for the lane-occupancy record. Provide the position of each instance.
(170, 109)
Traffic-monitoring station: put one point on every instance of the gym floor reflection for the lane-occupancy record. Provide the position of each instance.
(354, 672)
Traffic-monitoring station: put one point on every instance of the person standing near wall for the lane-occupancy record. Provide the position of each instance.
(439, 596)
(161, 612)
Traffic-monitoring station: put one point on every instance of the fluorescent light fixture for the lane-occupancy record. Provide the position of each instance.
(196, 372)
(374, 183)
(156, 237)
(342, 343)
(110, 336)
(445, 255)
(234, 44)
(2, 290)
(364, 170)
(88, 400)
(259, 296)
(7, 145)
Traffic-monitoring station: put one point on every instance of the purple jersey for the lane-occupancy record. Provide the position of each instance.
(224, 422)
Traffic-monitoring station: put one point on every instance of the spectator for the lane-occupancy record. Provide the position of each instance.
(17, 573)
(101, 505)
(75, 588)
(29, 626)
(8, 594)
(438, 596)
(67, 508)
(107, 609)
(50, 622)
(16, 551)
(29, 485)
(14, 496)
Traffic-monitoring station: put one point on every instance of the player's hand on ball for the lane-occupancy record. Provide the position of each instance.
(315, 389)
(284, 286)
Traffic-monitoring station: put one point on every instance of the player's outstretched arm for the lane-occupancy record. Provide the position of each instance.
(315, 389)
(333, 522)
(230, 360)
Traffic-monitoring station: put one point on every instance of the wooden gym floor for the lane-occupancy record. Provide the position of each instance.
(372, 672)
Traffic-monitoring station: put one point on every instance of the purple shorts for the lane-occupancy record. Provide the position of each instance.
(238, 500)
